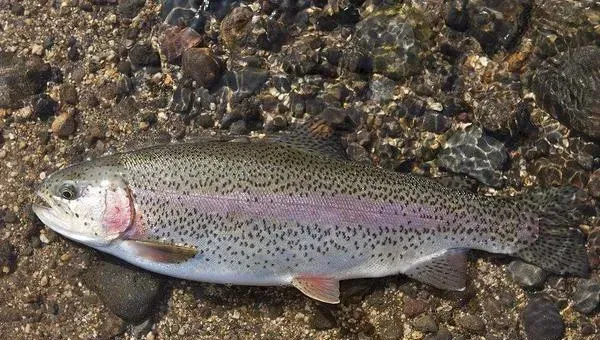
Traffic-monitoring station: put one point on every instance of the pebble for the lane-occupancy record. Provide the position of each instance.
(142, 55)
(43, 106)
(130, 8)
(391, 329)
(10, 217)
(322, 319)
(181, 102)
(527, 275)
(587, 296)
(471, 323)
(442, 334)
(8, 257)
(63, 125)
(128, 292)
(413, 307)
(202, 66)
(68, 94)
(542, 320)
(425, 323)
(236, 27)
(21, 78)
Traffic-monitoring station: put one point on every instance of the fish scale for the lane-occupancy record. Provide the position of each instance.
(266, 213)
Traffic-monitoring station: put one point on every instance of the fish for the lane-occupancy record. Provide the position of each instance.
(290, 211)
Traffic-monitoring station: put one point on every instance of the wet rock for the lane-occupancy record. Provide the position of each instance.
(382, 89)
(181, 102)
(63, 125)
(303, 57)
(587, 296)
(175, 12)
(436, 122)
(527, 275)
(43, 106)
(201, 65)
(68, 94)
(496, 109)
(8, 257)
(128, 292)
(282, 83)
(569, 91)
(245, 82)
(322, 319)
(176, 40)
(142, 55)
(472, 152)
(389, 39)
(236, 27)
(471, 323)
(496, 24)
(593, 186)
(541, 320)
(425, 323)
(21, 78)
(130, 8)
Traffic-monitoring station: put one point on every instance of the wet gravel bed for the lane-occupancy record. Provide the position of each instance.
(489, 96)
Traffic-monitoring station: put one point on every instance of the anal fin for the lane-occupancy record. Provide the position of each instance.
(319, 288)
(446, 270)
(161, 252)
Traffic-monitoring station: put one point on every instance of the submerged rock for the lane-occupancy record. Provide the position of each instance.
(570, 91)
(472, 152)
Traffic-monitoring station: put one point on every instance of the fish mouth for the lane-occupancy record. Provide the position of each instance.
(56, 219)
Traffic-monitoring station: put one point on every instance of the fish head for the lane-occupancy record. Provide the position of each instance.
(88, 203)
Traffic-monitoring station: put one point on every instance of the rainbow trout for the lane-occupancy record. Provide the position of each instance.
(269, 213)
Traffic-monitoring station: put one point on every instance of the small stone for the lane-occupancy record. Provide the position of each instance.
(382, 89)
(43, 106)
(130, 8)
(201, 65)
(181, 102)
(10, 217)
(63, 125)
(238, 128)
(527, 275)
(17, 8)
(322, 319)
(236, 27)
(471, 323)
(44, 281)
(425, 323)
(413, 307)
(587, 296)
(542, 320)
(144, 55)
(7, 257)
(37, 50)
(391, 329)
(68, 94)
(442, 334)
(435, 122)
(127, 291)
(124, 67)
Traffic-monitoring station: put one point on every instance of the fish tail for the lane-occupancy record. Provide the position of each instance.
(560, 245)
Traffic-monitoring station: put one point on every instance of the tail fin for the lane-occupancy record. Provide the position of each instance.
(560, 246)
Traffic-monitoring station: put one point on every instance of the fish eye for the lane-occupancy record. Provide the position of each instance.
(67, 191)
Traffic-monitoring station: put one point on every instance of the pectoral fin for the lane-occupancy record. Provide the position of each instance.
(447, 270)
(319, 288)
(160, 251)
